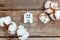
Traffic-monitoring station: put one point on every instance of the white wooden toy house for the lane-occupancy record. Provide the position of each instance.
(28, 17)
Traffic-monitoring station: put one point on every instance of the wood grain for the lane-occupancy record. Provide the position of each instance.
(24, 4)
(37, 28)
(33, 39)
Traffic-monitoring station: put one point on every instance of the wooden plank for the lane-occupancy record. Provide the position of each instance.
(20, 14)
(2, 38)
(21, 4)
(44, 39)
(24, 4)
(37, 28)
(33, 39)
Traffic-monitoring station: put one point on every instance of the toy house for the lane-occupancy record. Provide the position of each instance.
(28, 17)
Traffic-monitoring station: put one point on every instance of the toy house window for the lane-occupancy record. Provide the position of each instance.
(28, 16)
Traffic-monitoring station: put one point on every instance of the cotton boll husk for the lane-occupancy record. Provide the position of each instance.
(49, 11)
(12, 28)
(54, 5)
(47, 4)
(44, 18)
(7, 20)
(1, 21)
(57, 15)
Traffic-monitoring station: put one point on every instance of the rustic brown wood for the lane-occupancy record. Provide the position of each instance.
(24, 4)
(44, 39)
(33, 39)
(37, 28)
(39, 39)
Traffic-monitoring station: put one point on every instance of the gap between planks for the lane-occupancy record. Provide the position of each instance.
(21, 9)
(31, 36)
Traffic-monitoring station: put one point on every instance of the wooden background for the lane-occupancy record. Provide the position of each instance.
(37, 30)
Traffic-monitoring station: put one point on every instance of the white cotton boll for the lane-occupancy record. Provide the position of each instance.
(47, 4)
(12, 28)
(22, 31)
(20, 27)
(1, 21)
(7, 20)
(12, 32)
(44, 18)
(49, 11)
(54, 5)
(57, 15)
(24, 34)
(24, 37)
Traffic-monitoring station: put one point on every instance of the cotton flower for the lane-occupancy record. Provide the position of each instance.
(50, 7)
(12, 28)
(22, 31)
(56, 14)
(6, 20)
(44, 18)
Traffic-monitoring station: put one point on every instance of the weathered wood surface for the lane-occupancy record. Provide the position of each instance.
(33, 39)
(36, 28)
(23, 4)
